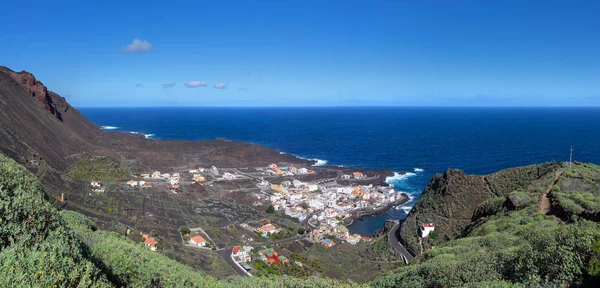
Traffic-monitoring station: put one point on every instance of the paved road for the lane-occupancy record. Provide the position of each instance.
(226, 255)
(393, 241)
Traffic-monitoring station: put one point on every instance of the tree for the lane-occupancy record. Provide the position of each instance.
(304, 205)
(594, 268)
(135, 236)
(301, 230)
(153, 233)
(184, 230)
(271, 209)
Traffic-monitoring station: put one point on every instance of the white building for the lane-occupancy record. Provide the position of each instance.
(214, 170)
(426, 229)
(198, 241)
(228, 176)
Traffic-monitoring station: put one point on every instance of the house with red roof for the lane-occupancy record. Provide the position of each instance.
(198, 241)
(268, 229)
(150, 242)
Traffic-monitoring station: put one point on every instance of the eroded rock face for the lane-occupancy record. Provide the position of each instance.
(36, 89)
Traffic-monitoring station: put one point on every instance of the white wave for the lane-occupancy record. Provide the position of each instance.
(419, 170)
(147, 136)
(109, 127)
(398, 177)
(406, 209)
(319, 162)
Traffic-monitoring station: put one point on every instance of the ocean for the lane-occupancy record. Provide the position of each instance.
(422, 141)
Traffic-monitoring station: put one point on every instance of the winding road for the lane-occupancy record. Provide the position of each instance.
(393, 241)
(226, 255)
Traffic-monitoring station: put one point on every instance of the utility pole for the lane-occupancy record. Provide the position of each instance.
(571, 157)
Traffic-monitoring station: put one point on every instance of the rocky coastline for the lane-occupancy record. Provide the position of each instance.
(359, 213)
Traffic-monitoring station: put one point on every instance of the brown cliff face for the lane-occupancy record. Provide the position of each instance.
(36, 90)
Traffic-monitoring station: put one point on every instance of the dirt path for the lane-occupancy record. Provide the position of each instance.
(544, 203)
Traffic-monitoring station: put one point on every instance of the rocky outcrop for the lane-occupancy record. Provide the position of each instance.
(37, 90)
(453, 200)
(387, 227)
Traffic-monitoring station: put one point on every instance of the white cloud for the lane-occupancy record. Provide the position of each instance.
(220, 85)
(137, 46)
(195, 83)
(168, 85)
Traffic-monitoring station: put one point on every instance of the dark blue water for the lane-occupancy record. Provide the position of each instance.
(478, 140)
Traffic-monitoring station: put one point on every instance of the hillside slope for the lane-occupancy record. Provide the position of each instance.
(42, 247)
(451, 200)
(492, 231)
(38, 125)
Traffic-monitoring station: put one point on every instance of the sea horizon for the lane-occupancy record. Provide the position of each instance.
(350, 106)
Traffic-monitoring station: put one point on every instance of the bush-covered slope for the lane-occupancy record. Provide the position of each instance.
(516, 247)
(451, 200)
(36, 246)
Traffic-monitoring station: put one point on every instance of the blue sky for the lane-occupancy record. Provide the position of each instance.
(309, 53)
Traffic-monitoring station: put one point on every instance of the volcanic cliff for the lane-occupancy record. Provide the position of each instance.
(39, 126)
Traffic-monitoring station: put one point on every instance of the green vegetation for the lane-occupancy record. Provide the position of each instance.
(263, 269)
(98, 168)
(578, 202)
(578, 191)
(522, 198)
(594, 267)
(270, 209)
(37, 248)
(519, 247)
(379, 250)
(184, 230)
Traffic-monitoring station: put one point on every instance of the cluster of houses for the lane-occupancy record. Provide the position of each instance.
(243, 254)
(196, 176)
(355, 175)
(329, 203)
(140, 183)
(287, 171)
(173, 179)
(340, 233)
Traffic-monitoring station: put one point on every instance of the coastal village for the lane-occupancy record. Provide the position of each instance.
(322, 205)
